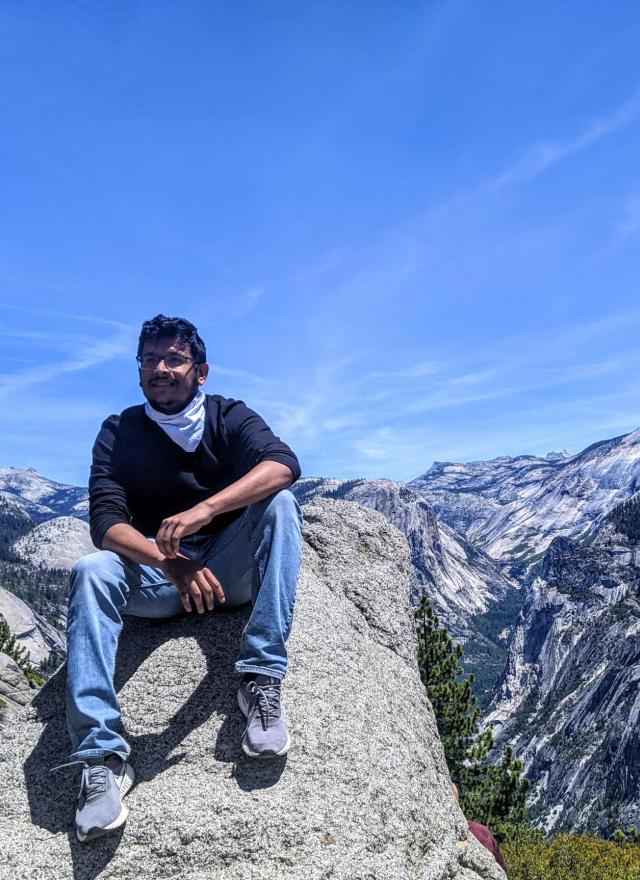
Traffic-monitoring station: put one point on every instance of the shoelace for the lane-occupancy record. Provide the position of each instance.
(95, 778)
(268, 701)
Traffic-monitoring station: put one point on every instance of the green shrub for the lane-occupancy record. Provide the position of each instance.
(572, 857)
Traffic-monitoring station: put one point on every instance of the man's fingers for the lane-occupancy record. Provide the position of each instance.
(168, 538)
(185, 598)
(215, 583)
(175, 539)
(205, 589)
(194, 589)
(163, 539)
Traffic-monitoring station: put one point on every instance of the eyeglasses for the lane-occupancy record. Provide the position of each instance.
(171, 361)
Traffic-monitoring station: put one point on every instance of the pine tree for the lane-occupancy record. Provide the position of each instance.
(490, 793)
(499, 796)
(451, 693)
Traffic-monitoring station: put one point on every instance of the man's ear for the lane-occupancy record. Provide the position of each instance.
(202, 371)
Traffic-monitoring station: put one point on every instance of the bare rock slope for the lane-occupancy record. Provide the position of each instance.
(32, 631)
(14, 689)
(467, 588)
(363, 793)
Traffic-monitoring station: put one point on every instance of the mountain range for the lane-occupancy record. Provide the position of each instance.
(531, 561)
(513, 507)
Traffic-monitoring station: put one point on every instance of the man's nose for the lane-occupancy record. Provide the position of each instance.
(159, 369)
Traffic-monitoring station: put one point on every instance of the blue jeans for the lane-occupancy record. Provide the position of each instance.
(256, 558)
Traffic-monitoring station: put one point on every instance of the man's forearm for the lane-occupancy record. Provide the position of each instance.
(260, 482)
(132, 544)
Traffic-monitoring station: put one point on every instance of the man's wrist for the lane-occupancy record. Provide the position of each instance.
(212, 506)
(161, 562)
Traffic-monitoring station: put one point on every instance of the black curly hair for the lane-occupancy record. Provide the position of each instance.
(184, 330)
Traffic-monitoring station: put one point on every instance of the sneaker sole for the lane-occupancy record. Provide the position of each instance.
(127, 784)
(269, 754)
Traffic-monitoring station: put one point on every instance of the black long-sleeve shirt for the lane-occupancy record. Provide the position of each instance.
(139, 476)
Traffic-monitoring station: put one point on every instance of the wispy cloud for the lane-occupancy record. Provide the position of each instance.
(240, 374)
(625, 232)
(629, 226)
(67, 316)
(419, 370)
(540, 157)
(90, 355)
(373, 423)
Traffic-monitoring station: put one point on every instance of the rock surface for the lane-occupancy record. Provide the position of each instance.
(363, 794)
(15, 691)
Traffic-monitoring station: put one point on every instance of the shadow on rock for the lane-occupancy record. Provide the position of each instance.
(251, 773)
(52, 796)
(90, 859)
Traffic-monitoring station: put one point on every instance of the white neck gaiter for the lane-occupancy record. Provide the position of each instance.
(185, 427)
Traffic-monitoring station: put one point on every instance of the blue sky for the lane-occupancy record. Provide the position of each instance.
(406, 231)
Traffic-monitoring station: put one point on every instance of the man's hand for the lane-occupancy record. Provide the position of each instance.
(176, 527)
(191, 579)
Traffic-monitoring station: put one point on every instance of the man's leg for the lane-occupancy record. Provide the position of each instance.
(257, 558)
(104, 587)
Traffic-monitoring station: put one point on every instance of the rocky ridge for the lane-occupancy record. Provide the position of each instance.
(513, 507)
(32, 631)
(353, 799)
(41, 498)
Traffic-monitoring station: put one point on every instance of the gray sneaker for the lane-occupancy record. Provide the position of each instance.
(104, 784)
(265, 735)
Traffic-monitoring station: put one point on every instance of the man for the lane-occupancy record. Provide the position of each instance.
(205, 479)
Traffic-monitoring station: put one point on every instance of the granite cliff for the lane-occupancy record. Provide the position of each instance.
(568, 700)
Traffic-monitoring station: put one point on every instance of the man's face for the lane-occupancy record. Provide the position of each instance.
(170, 389)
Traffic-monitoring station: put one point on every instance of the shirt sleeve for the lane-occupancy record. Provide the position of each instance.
(107, 497)
(251, 440)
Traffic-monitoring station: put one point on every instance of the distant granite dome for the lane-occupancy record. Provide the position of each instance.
(363, 793)
(55, 543)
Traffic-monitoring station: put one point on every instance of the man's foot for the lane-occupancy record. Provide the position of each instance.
(265, 735)
(100, 808)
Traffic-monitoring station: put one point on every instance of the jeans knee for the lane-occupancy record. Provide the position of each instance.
(283, 507)
(92, 572)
